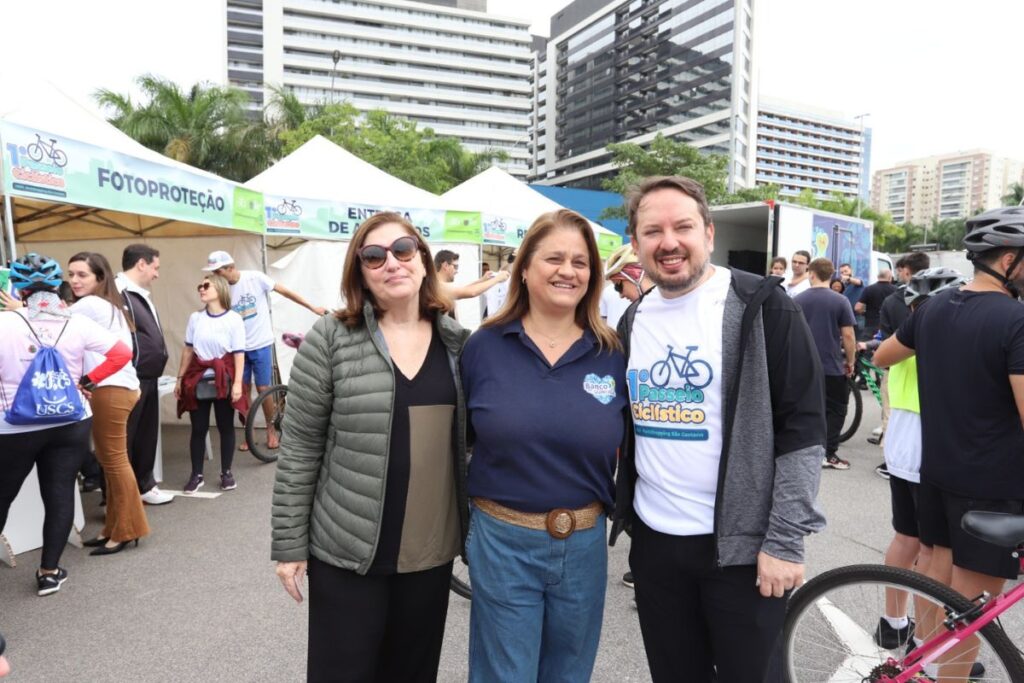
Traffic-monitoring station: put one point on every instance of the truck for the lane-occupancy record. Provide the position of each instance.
(749, 235)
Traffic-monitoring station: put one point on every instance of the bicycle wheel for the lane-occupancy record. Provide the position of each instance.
(699, 374)
(60, 158)
(35, 152)
(459, 583)
(831, 622)
(854, 412)
(661, 373)
(276, 394)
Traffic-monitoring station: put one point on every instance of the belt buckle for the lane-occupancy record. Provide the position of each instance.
(560, 523)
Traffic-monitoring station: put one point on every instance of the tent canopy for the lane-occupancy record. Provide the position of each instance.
(496, 192)
(39, 105)
(320, 169)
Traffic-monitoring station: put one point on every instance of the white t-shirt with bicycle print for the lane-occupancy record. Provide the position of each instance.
(675, 390)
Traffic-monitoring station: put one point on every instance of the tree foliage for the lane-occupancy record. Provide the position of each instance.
(665, 156)
(210, 128)
(1014, 195)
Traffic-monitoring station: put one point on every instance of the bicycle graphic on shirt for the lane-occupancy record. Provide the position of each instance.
(697, 373)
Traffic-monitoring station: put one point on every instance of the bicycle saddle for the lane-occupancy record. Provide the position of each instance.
(998, 528)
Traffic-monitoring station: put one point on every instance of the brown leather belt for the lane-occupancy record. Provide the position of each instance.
(560, 522)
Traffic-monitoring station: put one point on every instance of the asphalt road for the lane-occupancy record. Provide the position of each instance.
(198, 600)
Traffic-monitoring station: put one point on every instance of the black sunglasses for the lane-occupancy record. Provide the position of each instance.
(619, 284)
(203, 287)
(374, 256)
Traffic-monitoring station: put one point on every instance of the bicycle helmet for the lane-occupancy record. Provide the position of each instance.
(931, 281)
(34, 272)
(619, 259)
(996, 229)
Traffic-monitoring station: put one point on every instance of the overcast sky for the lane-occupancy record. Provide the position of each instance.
(933, 79)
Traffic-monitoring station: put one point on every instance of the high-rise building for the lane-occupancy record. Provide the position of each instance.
(445, 64)
(801, 147)
(944, 186)
(626, 70)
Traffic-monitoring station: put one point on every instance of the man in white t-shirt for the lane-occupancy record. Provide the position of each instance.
(496, 295)
(719, 482)
(249, 289)
(801, 281)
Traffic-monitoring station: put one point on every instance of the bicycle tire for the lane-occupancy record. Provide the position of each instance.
(59, 158)
(656, 373)
(824, 592)
(858, 412)
(35, 152)
(260, 450)
(459, 583)
(706, 375)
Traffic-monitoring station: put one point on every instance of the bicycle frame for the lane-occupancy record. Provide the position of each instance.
(932, 648)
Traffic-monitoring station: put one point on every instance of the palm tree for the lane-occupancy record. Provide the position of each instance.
(205, 126)
(1014, 195)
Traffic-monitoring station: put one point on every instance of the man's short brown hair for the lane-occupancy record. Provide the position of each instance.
(822, 268)
(691, 188)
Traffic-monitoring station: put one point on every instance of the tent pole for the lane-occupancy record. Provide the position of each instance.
(9, 221)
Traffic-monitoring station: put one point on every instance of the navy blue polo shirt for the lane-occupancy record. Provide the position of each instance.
(546, 436)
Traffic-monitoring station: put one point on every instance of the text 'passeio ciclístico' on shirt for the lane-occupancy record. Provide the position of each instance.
(546, 436)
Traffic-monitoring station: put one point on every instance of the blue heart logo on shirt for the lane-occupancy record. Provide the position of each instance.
(601, 388)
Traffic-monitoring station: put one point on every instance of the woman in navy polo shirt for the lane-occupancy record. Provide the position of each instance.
(545, 390)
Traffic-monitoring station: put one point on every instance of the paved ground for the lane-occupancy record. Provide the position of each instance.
(198, 600)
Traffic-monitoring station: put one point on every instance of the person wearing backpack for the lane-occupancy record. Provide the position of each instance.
(92, 283)
(45, 420)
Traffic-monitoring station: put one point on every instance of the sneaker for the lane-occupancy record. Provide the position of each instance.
(155, 496)
(891, 638)
(195, 482)
(882, 471)
(50, 583)
(875, 440)
(836, 463)
(627, 579)
(90, 484)
(227, 482)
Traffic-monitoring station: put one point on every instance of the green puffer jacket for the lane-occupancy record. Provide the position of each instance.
(330, 482)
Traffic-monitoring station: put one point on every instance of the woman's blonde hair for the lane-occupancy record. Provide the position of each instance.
(223, 288)
(588, 311)
(353, 286)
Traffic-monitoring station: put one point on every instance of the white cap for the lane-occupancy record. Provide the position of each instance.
(218, 259)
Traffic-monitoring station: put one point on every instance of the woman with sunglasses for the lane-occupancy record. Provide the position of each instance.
(97, 298)
(370, 488)
(210, 375)
(546, 395)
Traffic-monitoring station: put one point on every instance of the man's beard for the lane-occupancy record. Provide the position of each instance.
(675, 286)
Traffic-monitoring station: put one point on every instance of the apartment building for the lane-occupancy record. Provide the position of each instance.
(803, 147)
(445, 64)
(944, 186)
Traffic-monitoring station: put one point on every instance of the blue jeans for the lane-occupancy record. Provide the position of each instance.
(538, 602)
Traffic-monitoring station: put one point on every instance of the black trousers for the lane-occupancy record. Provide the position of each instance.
(697, 618)
(200, 418)
(364, 629)
(837, 398)
(58, 452)
(143, 430)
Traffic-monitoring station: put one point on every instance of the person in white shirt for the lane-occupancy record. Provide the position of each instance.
(801, 281)
(496, 295)
(92, 283)
(447, 264)
(249, 289)
(210, 375)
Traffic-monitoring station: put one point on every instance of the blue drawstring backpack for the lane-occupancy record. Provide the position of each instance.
(47, 394)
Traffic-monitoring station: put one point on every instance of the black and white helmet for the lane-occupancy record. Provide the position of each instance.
(996, 229)
(931, 281)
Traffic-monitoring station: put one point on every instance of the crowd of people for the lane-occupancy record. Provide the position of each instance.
(711, 403)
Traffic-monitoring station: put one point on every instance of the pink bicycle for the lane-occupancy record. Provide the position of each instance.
(830, 630)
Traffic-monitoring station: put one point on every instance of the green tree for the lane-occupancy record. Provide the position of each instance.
(1014, 195)
(206, 126)
(665, 156)
(393, 144)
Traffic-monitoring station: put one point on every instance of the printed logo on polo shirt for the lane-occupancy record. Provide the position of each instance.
(246, 306)
(601, 388)
(668, 399)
